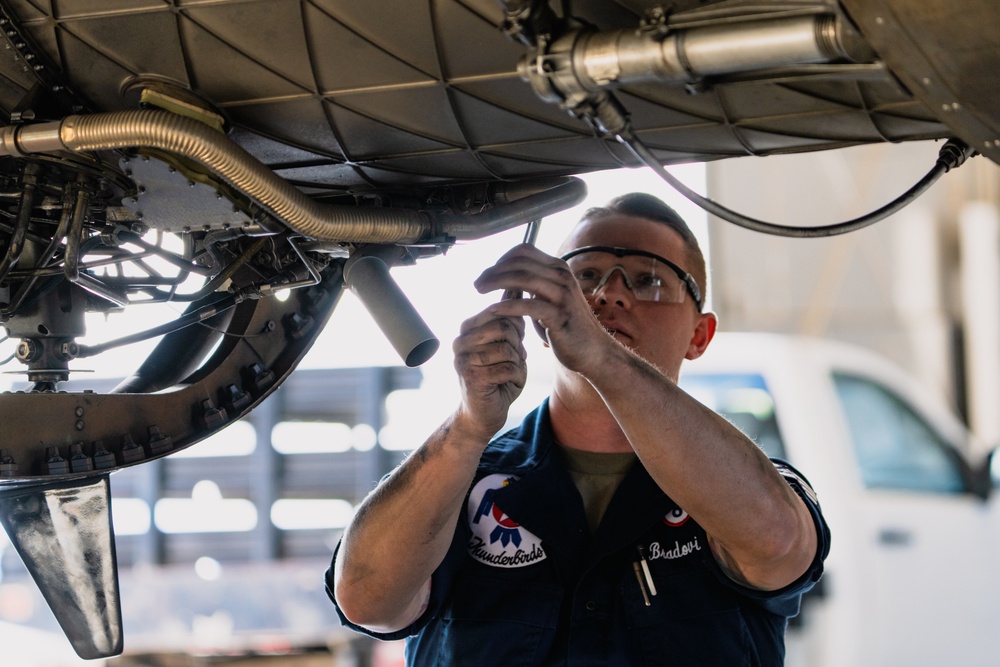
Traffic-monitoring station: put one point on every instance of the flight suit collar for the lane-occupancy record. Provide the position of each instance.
(545, 501)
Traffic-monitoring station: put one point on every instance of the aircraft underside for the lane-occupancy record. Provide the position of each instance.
(221, 156)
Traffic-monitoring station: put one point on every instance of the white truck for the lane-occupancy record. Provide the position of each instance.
(913, 577)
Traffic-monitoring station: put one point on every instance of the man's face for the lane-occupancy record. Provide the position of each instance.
(662, 333)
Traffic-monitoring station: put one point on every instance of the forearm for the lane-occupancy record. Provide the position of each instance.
(403, 529)
(760, 529)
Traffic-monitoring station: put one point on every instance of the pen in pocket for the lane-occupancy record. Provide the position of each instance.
(642, 586)
(645, 571)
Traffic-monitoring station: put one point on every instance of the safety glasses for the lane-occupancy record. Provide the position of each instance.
(649, 276)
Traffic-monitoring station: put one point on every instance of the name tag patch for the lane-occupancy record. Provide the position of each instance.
(497, 540)
(656, 551)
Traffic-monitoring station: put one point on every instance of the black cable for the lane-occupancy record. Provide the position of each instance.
(953, 154)
(9, 359)
(194, 317)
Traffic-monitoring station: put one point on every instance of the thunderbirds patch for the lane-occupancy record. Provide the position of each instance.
(498, 540)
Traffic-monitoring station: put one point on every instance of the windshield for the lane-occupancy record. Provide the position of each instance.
(744, 400)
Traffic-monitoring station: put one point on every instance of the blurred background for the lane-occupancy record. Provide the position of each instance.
(222, 548)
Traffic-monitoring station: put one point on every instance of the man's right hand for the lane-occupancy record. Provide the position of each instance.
(404, 528)
(490, 358)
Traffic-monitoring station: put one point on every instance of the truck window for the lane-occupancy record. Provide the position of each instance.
(894, 446)
(744, 400)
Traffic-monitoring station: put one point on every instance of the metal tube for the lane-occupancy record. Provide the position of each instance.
(597, 61)
(16, 243)
(570, 192)
(42, 138)
(368, 277)
(97, 288)
(71, 264)
(760, 45)
(46, 256)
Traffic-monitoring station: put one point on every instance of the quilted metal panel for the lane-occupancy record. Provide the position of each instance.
(367, 94)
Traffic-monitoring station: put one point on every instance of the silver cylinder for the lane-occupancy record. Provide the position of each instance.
(368, 277)
(608, 59)
(755, 46)
(41, 138)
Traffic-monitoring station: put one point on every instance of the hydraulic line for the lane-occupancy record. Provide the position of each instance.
(178, 355)
(169, 257)
(46, 256)
(580, 68)
(199, 314)
(187, 319)
(71, 265)
(230, 269)
(16, 244)
(953, 154)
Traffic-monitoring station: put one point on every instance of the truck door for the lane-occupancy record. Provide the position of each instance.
(929, 573)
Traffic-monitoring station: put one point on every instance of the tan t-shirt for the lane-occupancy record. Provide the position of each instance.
(597, 476)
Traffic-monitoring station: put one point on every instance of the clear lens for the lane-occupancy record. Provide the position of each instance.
(647, 278)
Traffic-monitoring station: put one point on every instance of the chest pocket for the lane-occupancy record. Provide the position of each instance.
(692, 619)
(490, 621)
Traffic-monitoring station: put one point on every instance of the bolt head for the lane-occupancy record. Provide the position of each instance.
(69, 350)
(27, 350)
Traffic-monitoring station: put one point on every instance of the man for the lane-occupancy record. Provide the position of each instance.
(623, 523)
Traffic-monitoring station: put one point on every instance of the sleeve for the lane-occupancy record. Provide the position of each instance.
(441, 582)
(785, 601)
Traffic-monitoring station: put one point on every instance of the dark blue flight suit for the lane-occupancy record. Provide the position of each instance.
(528, 585)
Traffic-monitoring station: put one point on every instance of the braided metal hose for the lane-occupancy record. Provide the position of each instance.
(232, 164)
(229, 162)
